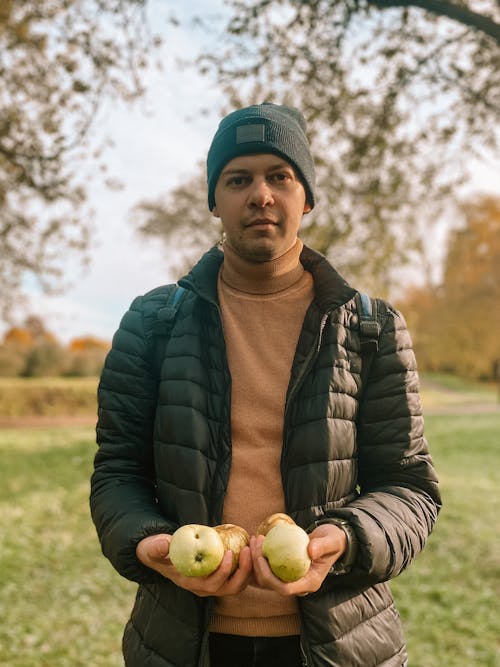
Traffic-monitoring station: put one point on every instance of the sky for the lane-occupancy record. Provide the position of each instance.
(157, 143)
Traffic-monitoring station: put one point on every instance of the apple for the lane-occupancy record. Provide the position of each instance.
(274, 520)
(234, 539)
(196, 550)
(285, 547)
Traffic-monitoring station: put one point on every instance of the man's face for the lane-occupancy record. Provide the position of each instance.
(260, 201)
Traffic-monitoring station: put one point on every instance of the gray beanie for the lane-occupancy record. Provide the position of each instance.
(262, 128)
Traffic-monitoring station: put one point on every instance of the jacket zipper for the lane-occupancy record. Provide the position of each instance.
(311, 357)
(313, 352)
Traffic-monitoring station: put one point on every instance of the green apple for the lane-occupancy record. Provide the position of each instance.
(285, 547)
(234, 539)
(196, 550)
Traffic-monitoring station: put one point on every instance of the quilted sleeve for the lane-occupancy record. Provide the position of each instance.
(122, 498)
(398, 499)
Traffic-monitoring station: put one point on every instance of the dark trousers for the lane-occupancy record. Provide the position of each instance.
(238, 651)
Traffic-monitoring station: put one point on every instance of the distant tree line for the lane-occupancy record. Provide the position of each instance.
(31, 350)
(455, 324)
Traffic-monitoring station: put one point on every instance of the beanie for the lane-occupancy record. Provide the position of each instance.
(262, 128)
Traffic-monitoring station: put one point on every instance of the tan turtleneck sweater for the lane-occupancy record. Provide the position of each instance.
(263, 307)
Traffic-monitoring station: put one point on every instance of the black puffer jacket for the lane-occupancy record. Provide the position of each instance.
(348, 451)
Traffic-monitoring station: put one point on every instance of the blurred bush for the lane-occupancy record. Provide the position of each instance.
(32, 351)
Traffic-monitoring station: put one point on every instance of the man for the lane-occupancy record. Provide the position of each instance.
(263, 406)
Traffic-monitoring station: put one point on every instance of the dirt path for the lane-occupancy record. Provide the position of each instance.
(463, 409)
(61, 421)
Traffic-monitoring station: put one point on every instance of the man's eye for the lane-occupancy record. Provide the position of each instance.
(282, 177)
(236, 181)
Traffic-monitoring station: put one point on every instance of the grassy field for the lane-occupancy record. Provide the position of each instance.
(46, 397)
(449, 393)
(62, 396)
(62, 605)
(449, 597)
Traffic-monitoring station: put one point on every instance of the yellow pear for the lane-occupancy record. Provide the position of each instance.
(273, 520)
(234, 539)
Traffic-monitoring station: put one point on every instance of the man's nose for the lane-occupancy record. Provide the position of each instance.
(261, 194)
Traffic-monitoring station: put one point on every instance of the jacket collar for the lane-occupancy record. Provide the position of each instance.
(331, 290)
(203, 276)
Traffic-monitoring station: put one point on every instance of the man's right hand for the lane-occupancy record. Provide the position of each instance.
(153, 552)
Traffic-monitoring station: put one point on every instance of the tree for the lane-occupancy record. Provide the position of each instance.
(181, 220)
(59, 62)
(456, 324)
(86, 343)
(29, 349)
(32, 350)
(31, 333)
(400, 96)
(85, 356)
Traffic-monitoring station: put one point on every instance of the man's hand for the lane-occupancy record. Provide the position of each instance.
(153, 552)
(327, 544)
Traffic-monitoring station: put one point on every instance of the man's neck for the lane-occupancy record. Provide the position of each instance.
(268, 277)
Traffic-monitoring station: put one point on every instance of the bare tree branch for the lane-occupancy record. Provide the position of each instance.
(460, 13)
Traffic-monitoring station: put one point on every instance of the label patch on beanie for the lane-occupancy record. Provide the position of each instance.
(247, 133)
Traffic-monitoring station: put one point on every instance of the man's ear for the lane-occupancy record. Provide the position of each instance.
(307, 207)
(215, 212)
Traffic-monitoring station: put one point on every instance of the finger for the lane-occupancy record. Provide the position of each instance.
(256, 546)
(202, 586)
(244, 562)
(258, 560)
(220, 575)
(212, 584)
(239, 580)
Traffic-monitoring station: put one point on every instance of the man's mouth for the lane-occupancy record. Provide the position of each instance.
(261, 222)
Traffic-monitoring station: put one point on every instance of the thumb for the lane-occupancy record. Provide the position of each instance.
(160, 546)
(322, 546)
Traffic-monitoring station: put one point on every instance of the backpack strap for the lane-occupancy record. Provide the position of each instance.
(164, 323)
(369, 326)
(369, 331)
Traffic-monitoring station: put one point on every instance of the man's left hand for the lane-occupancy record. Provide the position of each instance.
(327, 543)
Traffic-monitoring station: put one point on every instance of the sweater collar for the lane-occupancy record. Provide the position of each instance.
(268, 277)
(330, 288)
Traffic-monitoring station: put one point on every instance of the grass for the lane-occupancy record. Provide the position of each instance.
(448, 597)
(62, 605)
